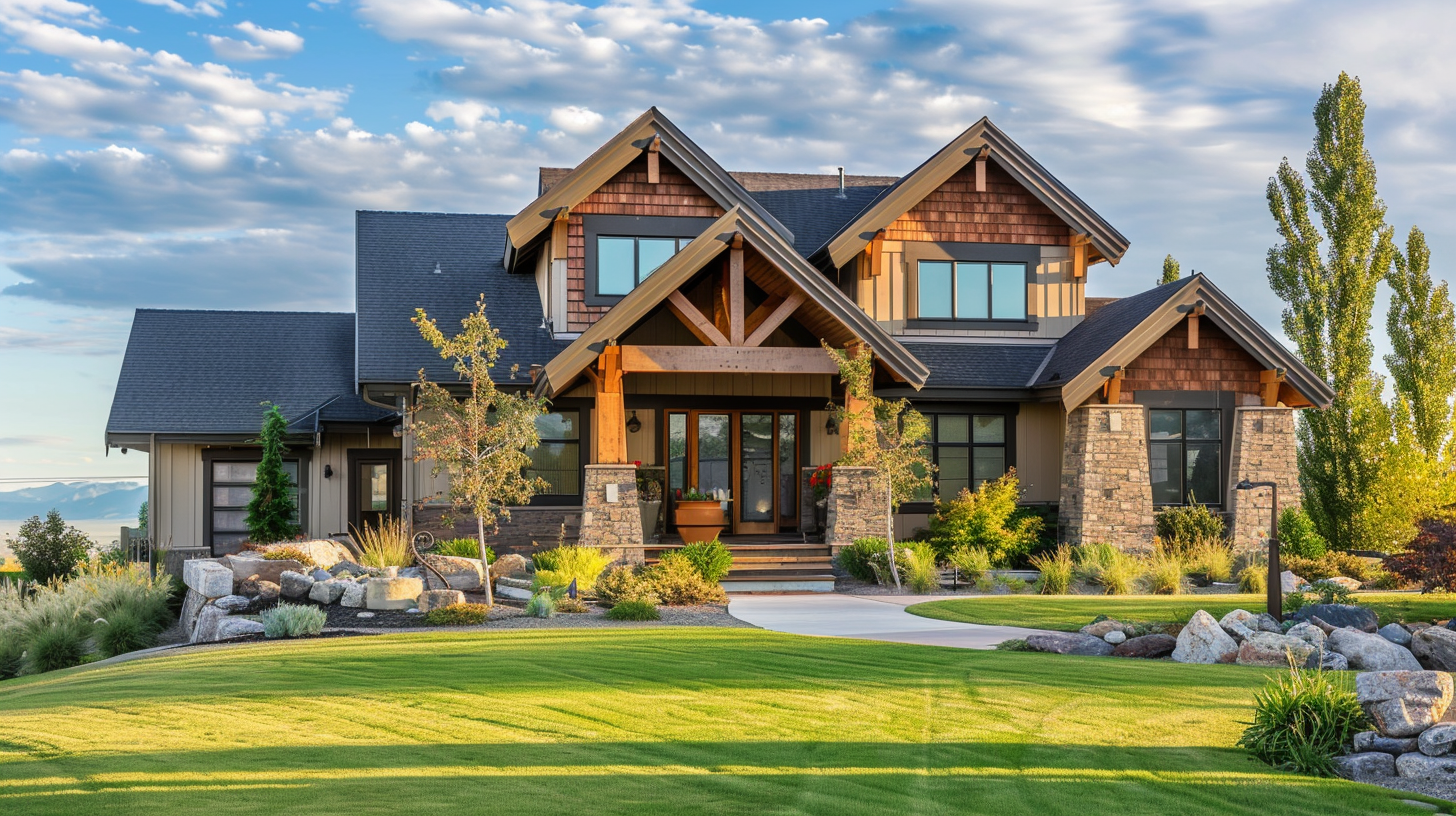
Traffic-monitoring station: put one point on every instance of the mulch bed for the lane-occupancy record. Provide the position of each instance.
(510, 615)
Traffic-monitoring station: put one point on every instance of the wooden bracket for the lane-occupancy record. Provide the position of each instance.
(653, 175)
(1079, 256)
(560, 234)
(877, 254)
(981, 168)
(1193, 315)
(1112, 388)
(774, 318)
(696, 321)
(1269, 382)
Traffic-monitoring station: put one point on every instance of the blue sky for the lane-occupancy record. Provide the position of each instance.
(210, 154)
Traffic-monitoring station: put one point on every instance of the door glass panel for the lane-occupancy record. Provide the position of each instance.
(756, 461)
(934, 286)
(952, 428)
(971, 291)
(231, 496)
(1202, 424)
(1166, 472)
(954, 471)
(990, 429)
(235, 472)
(713, 440)
(677, 451)
(654, 252)
(788, 472)
(374, 486)
(616, 266)
(1166, 424)
(229, 520)
(1202, 471)
(1008, 291)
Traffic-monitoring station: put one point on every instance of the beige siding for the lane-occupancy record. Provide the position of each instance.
(1039, 431)
(643, 446)
(328, 502)
(175, 495)
(824, 447)
(906, 525)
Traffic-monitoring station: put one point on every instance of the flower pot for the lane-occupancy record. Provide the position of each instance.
(650, 511)
(699, 520)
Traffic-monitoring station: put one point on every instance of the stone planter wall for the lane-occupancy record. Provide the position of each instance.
(612, 526)
(527, 527)
(857, 507)
(1106, 491)
(1263, 450)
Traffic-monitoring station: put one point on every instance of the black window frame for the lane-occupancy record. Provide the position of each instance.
(249, 456)
(682, 228)
(1028, 255)
(1008, 446)
(1225, 402)
(581, 441)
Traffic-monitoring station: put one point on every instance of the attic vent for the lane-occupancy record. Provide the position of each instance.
(437, 267)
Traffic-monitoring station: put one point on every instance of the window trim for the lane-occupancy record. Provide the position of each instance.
(966, 252)
(630, 226)
(1008, 414)
(209, 455)
(1226, 402)
(582, 441)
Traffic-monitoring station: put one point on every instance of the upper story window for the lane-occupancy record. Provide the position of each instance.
(1185, 450)
(622, 251)
(971, 290)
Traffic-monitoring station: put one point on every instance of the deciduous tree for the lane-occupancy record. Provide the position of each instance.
(1422, 328)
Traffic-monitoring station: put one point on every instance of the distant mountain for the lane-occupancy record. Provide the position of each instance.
(76, 500)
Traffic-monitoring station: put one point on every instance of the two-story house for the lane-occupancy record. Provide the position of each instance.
(673, 314)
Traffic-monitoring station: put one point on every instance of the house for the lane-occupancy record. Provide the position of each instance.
(673, 312)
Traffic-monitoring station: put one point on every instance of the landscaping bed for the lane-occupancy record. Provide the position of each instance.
(506, 615)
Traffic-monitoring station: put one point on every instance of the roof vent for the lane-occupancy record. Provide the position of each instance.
(841, 184)
(437, 267)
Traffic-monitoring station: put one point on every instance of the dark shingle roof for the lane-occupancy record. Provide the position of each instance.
(189, 371)
(398, 254)
(1101, 330)
(979, 365)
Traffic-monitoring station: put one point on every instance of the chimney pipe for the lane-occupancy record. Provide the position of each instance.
(841, 184)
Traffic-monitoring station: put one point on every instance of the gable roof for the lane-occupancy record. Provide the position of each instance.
(617, 153)
(206, 372)
(667, 278)
(397, 255)
(1123, 329)
(923, 180)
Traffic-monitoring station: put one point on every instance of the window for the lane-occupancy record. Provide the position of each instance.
(623, 262)
(621, 251)
(970, 290)
(229, 491)
(1185, 450)
(967, 450)
(558, 458)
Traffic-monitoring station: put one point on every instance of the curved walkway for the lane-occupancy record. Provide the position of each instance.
(867, 617)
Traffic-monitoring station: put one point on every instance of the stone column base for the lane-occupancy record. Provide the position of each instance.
(612, 526)
(1106, 492)
(857, 507)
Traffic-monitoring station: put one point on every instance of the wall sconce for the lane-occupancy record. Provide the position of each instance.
(328, 471)
(831, 426)
(634, 424)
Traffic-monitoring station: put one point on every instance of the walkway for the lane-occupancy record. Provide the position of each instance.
(867, 617)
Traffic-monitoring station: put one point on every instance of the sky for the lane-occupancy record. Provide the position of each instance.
(211, 153)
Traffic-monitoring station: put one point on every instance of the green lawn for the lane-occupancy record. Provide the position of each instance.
(696, 721)
(1071, 612)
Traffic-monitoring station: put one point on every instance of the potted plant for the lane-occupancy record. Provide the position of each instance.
(649, 498)
(699, 516)
(820, 481)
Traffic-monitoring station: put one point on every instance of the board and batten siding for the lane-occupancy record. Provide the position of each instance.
(1040, 427)
(174, 495)
(328, 499)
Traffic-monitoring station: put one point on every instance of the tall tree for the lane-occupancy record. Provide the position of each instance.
(1171, 270)
(1422, 328)
(1329, 303)
(480, 439)
(272, 510)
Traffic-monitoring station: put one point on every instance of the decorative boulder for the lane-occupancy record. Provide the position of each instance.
(353, 595)
(246, 567)
(207, 621)
(321, 551)
(1069, 643)
(460, 573)
(192, 606)
(509, 565)
(208, 578)
(1277, 651)
(1437, 740)
(514, 588)
(1376, 741)
(1334, 661)
(1268, 623)
(295, 585)
(232, 627)
(1371, 653)
(1239, 624)
(261, 592)
(1340, 580)
(347, 568)
(1114, 637)
(319, 574)
(326, 592)
(1148, 646)
(1099, 629)
(1436, 647)
(392, 593)
(437, 598)
(1420, 766)
(1202, 641)
(1403, 703)
(1309, 633)
(1340, 616)
(1397, 634)
(1289, 582)
(1366, 766)
(232, 603)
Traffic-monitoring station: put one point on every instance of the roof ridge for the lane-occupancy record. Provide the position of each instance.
(427, 212)
(154, 310)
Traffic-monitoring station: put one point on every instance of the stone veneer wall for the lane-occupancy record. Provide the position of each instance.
(856, 506)
(806, 501)
(1106, 492)
(1263, 451)
(614, 527)
(528, 528)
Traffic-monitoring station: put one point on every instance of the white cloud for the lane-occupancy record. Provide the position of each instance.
(466, 115)
(575, 119)
(205, 8)
(266, 43)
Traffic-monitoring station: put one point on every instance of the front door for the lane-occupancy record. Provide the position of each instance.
(373, 487)
(749, 457)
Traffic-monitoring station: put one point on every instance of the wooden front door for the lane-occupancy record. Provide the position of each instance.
(373, 486)
(751, 457)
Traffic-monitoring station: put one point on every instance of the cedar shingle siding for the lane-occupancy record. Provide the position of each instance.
(1005, 214)
(1218, 364)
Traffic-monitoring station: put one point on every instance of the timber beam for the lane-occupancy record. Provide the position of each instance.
(726, 360)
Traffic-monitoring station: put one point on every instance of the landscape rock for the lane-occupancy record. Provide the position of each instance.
(1147, 646)
(235, 626)
(514, 588)
(1309, 633)
(1100, 628)
(1365, 767)
(1416, 626)
(1114, 637)
(262, 592)
(1340, 580)
(1315, 621)
(1289, 582)
(508, 566)
(325, 553)
(392, 593)
(245, 567)
(318, 574)
(1068, 643)
(326, 592)
(207, 621)
(209, 578)
(1437, 740)
(1277, 651)
(1420, 766)
(437, 598)
(1267, 623)
(232, 603)
(1340, 616)
(1395, 633)
(1334, 661)
(1403, 703)
(1239, 624)
(1203, 641)
(1371, 653)
(347, 568)
(364, 615)
(410, 572)
(460, 573)
(192, 606)
(295, 584)
(353, 595)
(1436, 647)
(1376, 741)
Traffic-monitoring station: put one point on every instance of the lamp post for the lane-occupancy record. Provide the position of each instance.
(1274, 588)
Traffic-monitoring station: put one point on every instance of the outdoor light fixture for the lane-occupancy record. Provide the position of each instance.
(1275, 589)
(328, 471)
(634, 424)
(831, 425)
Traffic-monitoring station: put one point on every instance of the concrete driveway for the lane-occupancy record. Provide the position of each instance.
(867, 617)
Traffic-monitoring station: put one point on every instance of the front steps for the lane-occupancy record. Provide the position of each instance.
(769, 566)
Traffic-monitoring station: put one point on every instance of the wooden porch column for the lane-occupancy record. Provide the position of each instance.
(610, 437)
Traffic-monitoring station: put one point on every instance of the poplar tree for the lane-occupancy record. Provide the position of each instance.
(1330, 298)
(1422, 329)
(272, 509)
(1171, 270)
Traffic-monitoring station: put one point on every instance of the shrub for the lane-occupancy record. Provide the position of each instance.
(288, 552)
(1108, 567)
(620, 584)
(985, 584)
(1329, 565)
(541, 605)
(921, 575)
(1013, 645)
(1015, 585)
(677, 583)
(460, 614)
(1297, 535)
(272, 508)
(384, 545)
(1181, 529)
(288, 620)
(49, 549)
(1165, 571)
(571, 606)
(1430, 559)
(566, 562)
(1330, 592)
(126, 629)
(636, 610)
(1295, 601)
(1302, 721)
(12, 651)
(1056, 570)
(1213, 559)
(1254, 579)
(988, 518)
(463, 548)
(58, 646)
(857, 557)
(711, 559)
(973, 562)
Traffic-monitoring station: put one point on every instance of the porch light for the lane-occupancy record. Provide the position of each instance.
(634, 424)
(1275, 591)
(831, 425)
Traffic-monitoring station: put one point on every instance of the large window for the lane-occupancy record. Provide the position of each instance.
(625, 261)
(1185, 449)
(971, 290)
(230, 489)
(967, 450)
(558, 458)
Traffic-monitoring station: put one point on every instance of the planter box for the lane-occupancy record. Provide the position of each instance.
(699, 520)
(650, 512)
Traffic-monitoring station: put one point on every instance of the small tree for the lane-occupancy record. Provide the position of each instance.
(887, 435)
(272, 509)
(49, 549)
(481, 439)
(1171, 270)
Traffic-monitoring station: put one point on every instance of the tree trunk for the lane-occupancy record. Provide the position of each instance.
(484, 562)
(890, 532)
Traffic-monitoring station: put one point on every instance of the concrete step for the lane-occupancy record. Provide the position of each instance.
(807, 581)
(780, 565)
